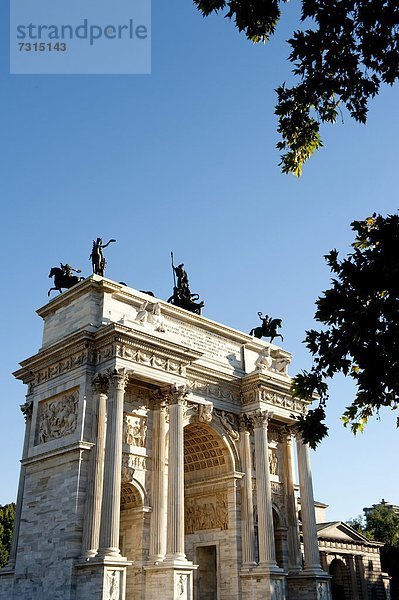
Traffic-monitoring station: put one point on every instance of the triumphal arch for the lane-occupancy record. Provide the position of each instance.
(158, 460)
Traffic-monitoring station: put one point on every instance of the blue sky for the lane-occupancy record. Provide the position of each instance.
(184, 159)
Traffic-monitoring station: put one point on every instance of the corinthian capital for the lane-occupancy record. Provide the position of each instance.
(261, 418)
(159, 399)
(177, 394)
(119, 378)
(100, 383)
(27, 409)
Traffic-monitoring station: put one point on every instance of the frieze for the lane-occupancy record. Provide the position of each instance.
(58, 417)
(63, 366)
(132, 461)
(213, 390)
(206, 512)
(253, 394)
(141, 356)
(277, 488)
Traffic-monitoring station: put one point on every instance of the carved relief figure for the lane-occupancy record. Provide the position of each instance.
(280, 365)
(181, 586)
(264, 361)
(142, 314)
(58, 417)
(273, 461)
(127, 468)
(227, 420)
(151, 315)
(157, 318)
(113, 585)
(205, 413)
(278, 590)
(134, 431)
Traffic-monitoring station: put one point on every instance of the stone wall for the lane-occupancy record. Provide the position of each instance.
(51, 527)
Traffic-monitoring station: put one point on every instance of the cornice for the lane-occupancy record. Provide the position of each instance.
(56, 452)
(116, 333)
(71, 345)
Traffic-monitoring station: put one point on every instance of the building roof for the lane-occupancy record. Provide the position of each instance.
(338, 530)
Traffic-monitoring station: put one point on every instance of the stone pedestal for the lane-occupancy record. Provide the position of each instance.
(99, 580)
(306, 587)
(169, 581)
(260, 584)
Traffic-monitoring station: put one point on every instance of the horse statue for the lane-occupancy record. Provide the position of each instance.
(63, 278)
(268, 328)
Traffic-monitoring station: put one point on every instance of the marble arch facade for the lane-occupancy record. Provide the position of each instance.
(158, 455)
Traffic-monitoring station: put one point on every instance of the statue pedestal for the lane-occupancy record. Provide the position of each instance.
(173, 581)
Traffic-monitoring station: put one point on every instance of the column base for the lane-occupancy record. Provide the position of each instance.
(101, 579)
(171, 579)
(307, 586)
(263, 584)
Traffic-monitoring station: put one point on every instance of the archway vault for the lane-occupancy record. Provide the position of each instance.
(205, 453)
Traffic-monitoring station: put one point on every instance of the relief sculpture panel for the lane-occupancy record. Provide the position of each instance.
(57, 417)
(206, 512)
(134, 430)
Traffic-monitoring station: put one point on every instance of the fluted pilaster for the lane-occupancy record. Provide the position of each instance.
(158, 516)
(247, 508)
(175, 531)
(309, 530)
(110, 513)
(267, 552)
(27, 412)
(91, 528)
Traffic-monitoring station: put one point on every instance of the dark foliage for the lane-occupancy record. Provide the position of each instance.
(350, 48)
(7, 513)
(360, 314)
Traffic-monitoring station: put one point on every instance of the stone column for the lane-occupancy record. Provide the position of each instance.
(352, 569)
(247, 507)
(267, 551)
(110, 512)
(175, 527)
(27, 412)
(91, 527)
(158, 516)
(294, 546)
(309, 530)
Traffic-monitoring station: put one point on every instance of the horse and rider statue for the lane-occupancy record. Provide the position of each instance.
(182, 295)
(64, 278)
(269, 328)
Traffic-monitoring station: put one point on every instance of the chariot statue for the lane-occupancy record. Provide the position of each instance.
(182, 295)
